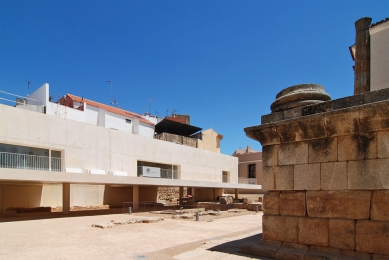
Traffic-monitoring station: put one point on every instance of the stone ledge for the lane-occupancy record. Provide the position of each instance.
(341, 103)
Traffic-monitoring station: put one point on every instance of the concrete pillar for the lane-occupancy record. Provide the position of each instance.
(65, 198)
(193, 192)
(362, 56)
(1, 199)
(214, 194)
(236, 194)
(181, 192)
(135, 197)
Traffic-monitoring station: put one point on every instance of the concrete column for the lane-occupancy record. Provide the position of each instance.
(135, 197)
(236, 194)
(65, 198)
(1, 199)
(181, 192)
(214, 194)
(193, 192)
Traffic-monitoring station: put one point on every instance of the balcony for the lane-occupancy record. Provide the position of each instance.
(30, 162)
(247, 180)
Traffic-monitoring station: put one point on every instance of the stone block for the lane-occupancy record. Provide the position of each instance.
(372, 237)
(357, 147)
(293, 113)
(339, 204)
(333, 176)
(273, 117)
(279, 228)
(323, 150)
(375, 116)
(376, 96)
(292, 203)
(354, 255)
(380, 257)
(268, 174)
(342, 234)
(368, 174)
(313, 231)
(263, 248)
(323, 253)
(271, 203)
(343, 122)
(380, 205)
(293, 153)
(304, 128)
(350, 101)
(291, 251)
(270, 155)
(284, 176)
(307, 177)
(383, 144)
(265, 134)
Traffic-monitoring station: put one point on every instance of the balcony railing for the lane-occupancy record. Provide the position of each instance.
(30, 162)
(247, 180)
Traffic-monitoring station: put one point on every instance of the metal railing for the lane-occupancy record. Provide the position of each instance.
(30, 162)
(242, 180)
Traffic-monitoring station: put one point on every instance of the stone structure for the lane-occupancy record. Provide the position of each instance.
(326, 172)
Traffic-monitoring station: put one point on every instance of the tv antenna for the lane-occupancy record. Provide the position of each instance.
(113, 100)
(150, 100)
(174, 110)
(28, 87)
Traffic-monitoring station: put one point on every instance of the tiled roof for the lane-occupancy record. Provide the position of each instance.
(380, 22)
(111, 109)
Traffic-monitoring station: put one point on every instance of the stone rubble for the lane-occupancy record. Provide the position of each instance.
(114, 223)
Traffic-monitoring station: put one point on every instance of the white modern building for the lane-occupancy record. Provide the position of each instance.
(77, 152)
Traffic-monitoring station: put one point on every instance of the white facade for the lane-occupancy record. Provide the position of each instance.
(379, 56)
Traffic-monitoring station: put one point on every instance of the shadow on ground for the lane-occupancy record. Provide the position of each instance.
(234, 247)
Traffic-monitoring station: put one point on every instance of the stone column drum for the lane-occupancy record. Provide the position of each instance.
(326, 173)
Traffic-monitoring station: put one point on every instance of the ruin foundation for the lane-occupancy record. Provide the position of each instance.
(326, 172)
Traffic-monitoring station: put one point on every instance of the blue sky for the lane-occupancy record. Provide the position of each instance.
(221, 62)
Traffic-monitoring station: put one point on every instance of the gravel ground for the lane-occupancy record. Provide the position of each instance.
(75, 238)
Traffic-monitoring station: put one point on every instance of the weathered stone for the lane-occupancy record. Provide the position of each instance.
(270, 155)
(248, 200)
(376, 96)
(291, 251)
(323, 253)
(316, 108)
(380, 205)
(380, 257)
(284, 177)
(368, 174)
(342, 233)
(350, 101)
(292, 203)
(263, 248)
(271, 203)
(293, 153)
(333, 176)
(342, 123)
(322, 150)
(293, 113)
(383, 144)
(375, 117)
(354, 255)
(307, 177)
(279, 228)
(295, 96)
(226, 200)
(357, 147)
(273, 117)
(339, 204)
(305, 128)
(265, 134)
(268, 175)
(313, 231)
(372, 237)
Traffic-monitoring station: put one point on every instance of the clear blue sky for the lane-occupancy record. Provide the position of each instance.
(221, 62)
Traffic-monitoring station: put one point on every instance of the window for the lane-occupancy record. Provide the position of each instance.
(251, 170)
(128, 121)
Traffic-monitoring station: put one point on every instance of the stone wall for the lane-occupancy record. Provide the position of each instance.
(326, 170)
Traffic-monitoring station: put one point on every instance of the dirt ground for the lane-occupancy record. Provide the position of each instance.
(75, 238)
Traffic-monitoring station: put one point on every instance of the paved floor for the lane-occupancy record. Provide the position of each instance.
(75, 238)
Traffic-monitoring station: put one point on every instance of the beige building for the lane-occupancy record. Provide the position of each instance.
(92, 154)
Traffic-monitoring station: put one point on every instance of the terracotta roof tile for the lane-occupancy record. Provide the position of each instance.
(111, 109)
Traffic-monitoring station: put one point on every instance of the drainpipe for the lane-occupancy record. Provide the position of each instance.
(362, 56)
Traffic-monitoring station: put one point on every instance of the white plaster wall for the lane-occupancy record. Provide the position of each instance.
(91, 115)
(379, 59)
(146, 130)
(117, 122)
(64, 112)
(91, 147)
(40, 96)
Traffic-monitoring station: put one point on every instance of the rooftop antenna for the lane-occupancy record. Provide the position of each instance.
(174, 110)
(150, 100)
(113, 101)
(28, 87)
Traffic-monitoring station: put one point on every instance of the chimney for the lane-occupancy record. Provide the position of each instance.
(362, 56)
